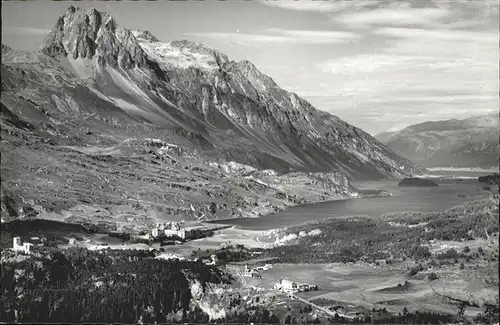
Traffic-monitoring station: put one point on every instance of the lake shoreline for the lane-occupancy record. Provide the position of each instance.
(363, 193)
(450, 192)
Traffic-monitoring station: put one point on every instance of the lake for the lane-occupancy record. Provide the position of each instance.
(450, 192)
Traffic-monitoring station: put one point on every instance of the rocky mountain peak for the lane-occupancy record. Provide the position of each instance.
(258, 79)
(5, 48)
(145, 35)
(89, 33)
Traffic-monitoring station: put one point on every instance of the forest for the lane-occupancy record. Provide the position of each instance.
(77, 285)
(390, 237)
(228, 254)
(490, 179)
(55, 232)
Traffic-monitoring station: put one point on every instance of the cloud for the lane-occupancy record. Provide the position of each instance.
(319, 6)
(439, 34)
(366, 63)
(24, 30)
(367, 13)
(277, 35)
(375, 117)
(414, 60)
(393, 16)
(322, 36)
(447, 99)
(414, 75)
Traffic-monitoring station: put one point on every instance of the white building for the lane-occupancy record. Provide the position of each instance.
(264, 268)
(179, 233)
(250, 272)
(20, 247)
(169, 256)
(213, 260)
(168, 229)
(145, 237)
(37, 241)
(286, 286)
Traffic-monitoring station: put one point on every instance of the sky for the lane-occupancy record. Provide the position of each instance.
(379, 65)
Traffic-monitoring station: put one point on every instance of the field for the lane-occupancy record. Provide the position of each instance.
(364, 266)
(388, 261)
(364, 287)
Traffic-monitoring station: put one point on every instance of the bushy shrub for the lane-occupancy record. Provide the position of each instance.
(449, 254)
(432, 276)
(414, 270)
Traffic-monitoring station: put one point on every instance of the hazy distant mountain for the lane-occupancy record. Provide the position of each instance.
(471, 142)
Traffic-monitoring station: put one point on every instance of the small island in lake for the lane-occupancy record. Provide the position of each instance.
(490, 179)
(417, 182)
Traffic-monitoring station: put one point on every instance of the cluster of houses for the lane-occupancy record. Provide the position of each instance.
(292, 287)
(168, 229)
(19, 246)
(171, 256)
(212, 261)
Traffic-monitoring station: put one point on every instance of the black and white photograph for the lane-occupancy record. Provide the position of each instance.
(250, 162)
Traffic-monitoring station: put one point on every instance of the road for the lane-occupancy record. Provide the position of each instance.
(325, 310)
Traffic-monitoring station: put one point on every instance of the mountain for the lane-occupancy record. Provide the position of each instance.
(105, 115)
(471, 142)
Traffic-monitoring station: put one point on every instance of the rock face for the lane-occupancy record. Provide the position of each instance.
(472, 142)
(5, 49)
(240, 100)
(90, 34)
(144, 35)
(417, 182)
(228, 110)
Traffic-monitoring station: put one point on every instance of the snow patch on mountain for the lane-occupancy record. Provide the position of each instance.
(144, 35)
(168, 56)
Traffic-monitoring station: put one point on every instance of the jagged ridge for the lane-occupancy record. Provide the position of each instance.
(232, 105)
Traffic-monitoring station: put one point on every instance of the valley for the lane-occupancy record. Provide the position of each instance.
(365, 268)
(145, 181)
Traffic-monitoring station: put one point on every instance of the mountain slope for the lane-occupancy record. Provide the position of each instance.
(79, 115)
(238, 98)
(231, 104)
(472, 142)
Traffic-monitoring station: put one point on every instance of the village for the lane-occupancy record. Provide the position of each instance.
(292, 287)
(177, 233)
(167, 230)
(19, 246)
